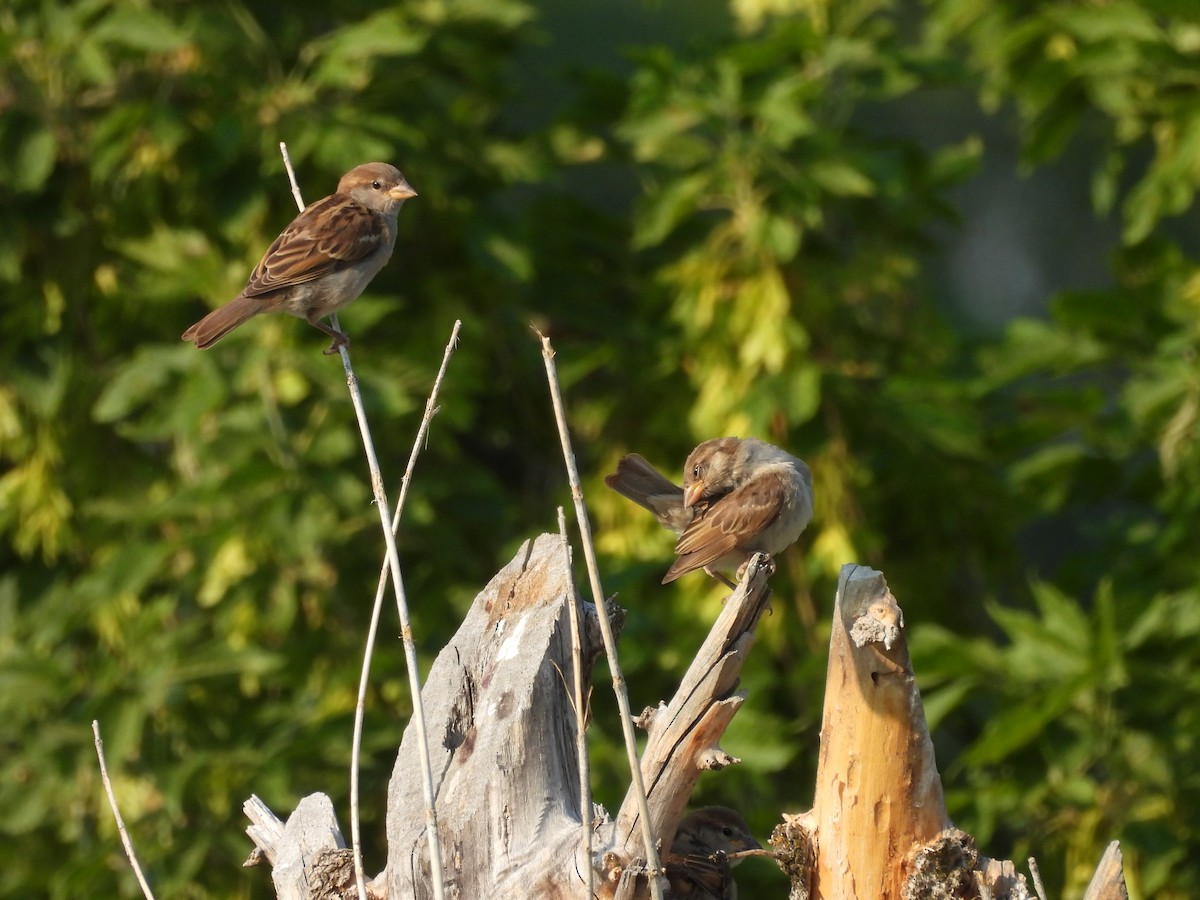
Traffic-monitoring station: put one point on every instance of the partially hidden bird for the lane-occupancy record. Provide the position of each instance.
(698, 866)
(740, 496)
(323, 260)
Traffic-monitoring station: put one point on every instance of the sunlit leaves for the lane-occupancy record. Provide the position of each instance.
(186, 538)
(1065, 62)
(1072, 725)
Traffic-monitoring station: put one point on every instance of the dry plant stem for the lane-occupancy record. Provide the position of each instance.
(112, 802)
(360, 706)
(291, 173)
(410, 652)
(1037, 879)
(610, 645)
(585, 774)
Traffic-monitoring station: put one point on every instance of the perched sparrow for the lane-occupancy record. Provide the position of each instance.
(739, 497)
(698, 864)
(323, 260)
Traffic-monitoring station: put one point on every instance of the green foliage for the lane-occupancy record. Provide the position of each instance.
(1080, 712)
(720, 238)
(1125, 70)
(188, 539)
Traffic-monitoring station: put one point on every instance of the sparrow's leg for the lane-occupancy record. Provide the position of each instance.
(713, 573)
(340, 338)
(741, 573)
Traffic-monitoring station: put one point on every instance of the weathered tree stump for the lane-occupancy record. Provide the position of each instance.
(502, 743)
(308, 855)
(878, 826)
(878, 791)
(505, 767)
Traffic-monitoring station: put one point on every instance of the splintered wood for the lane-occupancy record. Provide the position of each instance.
(878, 793)
(683, 735)
(502, 738)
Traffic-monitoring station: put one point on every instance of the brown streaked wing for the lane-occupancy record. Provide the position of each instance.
(710, 545)
(738, 516)
(322, 239)
(699, 877)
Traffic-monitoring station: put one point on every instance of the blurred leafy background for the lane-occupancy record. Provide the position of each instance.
(945, 251)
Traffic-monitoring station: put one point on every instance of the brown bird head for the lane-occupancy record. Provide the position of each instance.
(698, 866)
(376, 185)
(712, 470)
(713, 829)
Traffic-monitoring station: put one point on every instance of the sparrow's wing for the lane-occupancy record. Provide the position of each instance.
(727, 524)
(327, 236)
(645, 485)
(699, 877)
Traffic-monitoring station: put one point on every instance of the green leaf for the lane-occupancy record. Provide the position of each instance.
(139, 29)
(840, 178)
(1022, 724)
(139, 381)
(666, 208)
(34, 159)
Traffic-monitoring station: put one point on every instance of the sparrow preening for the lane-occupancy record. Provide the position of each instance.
(323, 260)
(698, 866)
(739, 497)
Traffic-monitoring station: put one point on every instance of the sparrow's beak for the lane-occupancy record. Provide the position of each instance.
(746, 843)
(402, 191)
(692, 494)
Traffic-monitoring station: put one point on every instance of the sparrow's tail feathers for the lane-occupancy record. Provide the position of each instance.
(640, 482)
(220, 322)
(646, 486)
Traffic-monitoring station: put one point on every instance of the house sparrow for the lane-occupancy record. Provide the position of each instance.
(739, 497)
(323, 260)
(698, 866)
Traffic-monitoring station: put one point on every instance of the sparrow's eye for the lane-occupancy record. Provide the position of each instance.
(376, 185)
(696, 471)
(727, 831)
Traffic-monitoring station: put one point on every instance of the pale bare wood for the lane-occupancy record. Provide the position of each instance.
(503, 747)
(1037, 879)
(1109, 881)
(265, 829)
(505, 763)
(878, 792)
(998, 879)
(683, 736)
(308, 855)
